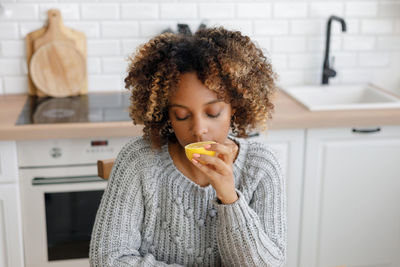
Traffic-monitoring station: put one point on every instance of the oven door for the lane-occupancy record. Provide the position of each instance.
(59, 206)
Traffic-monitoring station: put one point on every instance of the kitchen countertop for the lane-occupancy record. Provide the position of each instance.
(289, 114)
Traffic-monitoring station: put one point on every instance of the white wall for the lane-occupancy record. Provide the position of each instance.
(292, 32)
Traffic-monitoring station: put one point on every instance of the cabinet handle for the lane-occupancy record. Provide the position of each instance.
(66, 180)
(367, 130)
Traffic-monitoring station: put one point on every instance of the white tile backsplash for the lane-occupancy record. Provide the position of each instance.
(90, 29)
(289, 44)
(129, 46)
(291, 33)
(27, 27)
(94, 65)
(375, 59)
(279, 61)
(118, 29)
(139, 11)
(30, 1)
(312, 76)
(246, 27)
(307, 27)
(103, 47)
(115, 65)
(356, 75)
(359, 43)
(317, 44)
(324, 9)
(151, 28)
(68, 11)
(290, 77)
(397, 26)
(263, 43)
(391, 43)
(217, 11)
(15, 84)
(105, 82)
(377, 26)
(14, 49)
(8, 30)
(389, 9)
(178, 11)
(10, 67)
(100, 11)
(20, 12)
(271, 27)
(254, 10)
(305, 61)
(361, 9)
(290, 9)
(345, 60)
(353, 27)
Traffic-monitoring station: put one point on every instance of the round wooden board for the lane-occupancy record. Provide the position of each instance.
(58, 69)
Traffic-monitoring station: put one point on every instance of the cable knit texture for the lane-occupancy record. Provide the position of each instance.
(152, 215)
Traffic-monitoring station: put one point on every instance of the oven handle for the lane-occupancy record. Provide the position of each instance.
(66, 180)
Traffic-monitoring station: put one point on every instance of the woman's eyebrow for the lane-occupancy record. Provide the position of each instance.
(208, 103)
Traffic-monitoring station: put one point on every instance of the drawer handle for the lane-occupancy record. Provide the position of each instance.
(367, 130)
(66, 180)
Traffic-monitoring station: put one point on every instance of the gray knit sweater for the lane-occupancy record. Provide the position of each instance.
(152, 215)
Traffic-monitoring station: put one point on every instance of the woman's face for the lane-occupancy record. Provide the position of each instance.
(196, 113)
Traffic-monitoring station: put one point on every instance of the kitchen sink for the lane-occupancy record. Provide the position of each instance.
(343, 97)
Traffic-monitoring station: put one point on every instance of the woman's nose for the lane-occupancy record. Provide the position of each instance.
(199, 127)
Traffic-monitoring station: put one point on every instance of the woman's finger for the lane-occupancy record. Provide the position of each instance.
(217, 164)
(212, 175)
(224, 150)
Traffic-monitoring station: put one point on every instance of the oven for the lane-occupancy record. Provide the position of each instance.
(60, 193)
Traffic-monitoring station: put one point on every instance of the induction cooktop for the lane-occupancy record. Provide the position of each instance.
(93, 107)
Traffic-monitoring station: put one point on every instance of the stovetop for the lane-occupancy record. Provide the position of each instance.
(93, 107)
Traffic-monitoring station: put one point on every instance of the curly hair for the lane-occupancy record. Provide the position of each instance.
(226, 62)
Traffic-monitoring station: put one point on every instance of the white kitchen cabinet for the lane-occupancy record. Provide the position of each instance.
(10, 227)
(10, 220)
(8, 162)
(288, 146)
(351, 204)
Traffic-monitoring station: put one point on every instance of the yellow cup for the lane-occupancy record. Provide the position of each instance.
(198, 148)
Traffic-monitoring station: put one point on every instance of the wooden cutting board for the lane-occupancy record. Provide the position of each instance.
(56, 58)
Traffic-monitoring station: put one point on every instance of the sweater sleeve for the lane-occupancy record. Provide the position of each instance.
(116, 235)
(254, 234)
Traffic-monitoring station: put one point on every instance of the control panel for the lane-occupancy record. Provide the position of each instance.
(60, 152)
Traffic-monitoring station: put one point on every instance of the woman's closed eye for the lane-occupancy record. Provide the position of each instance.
(181, 119)
(181, 115)
(210, 115)
(213, 115)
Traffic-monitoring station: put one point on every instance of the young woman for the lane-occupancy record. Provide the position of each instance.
(161, 209)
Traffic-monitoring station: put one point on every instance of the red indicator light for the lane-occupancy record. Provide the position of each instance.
(99, 143)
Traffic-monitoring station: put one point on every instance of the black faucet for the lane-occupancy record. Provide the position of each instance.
(328, 72)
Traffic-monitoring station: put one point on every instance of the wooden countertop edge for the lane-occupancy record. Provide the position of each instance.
(289, 114)
(115, 129)
(70, 130)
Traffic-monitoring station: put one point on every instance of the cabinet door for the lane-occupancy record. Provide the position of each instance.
(288, 146)
(10, 227)
(351, 204)
(8, 162)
